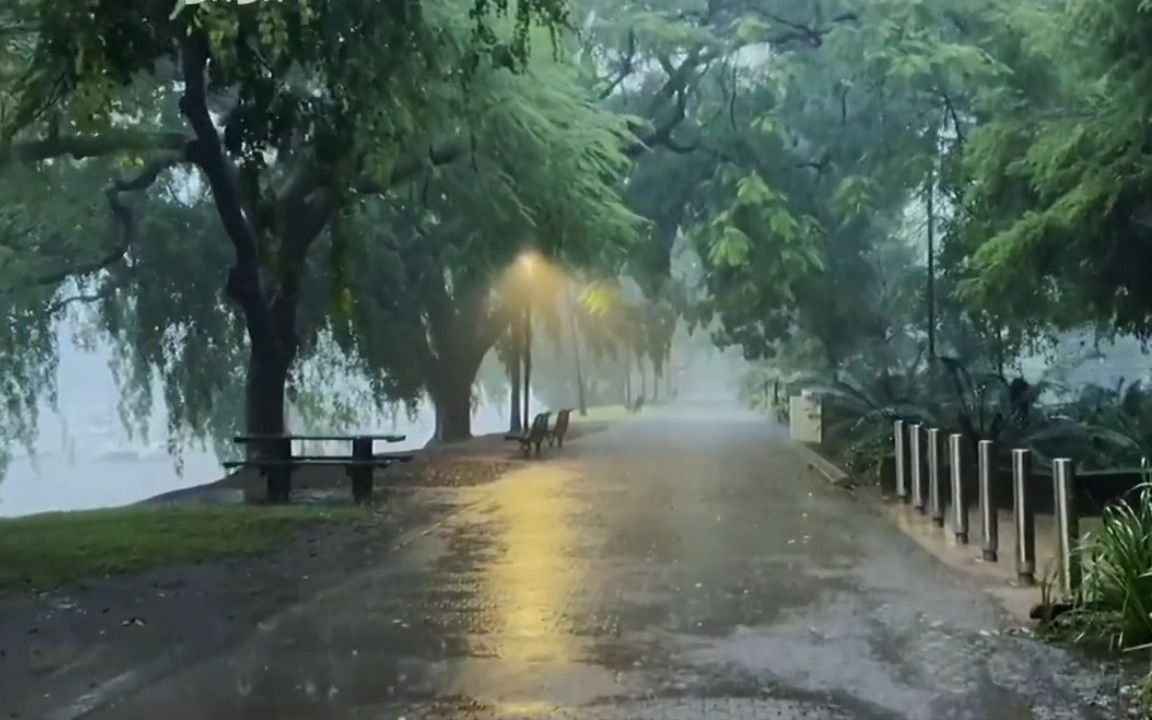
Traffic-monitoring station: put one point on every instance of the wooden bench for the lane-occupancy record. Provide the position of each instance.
(535, 435)
(560, 429)
(276, 463)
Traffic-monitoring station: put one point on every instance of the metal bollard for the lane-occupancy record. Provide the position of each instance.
(959, 503)
(1025, 516)
(917, 467)
(901, 478)
(1067, 524)
(989, 520)
(934, 477)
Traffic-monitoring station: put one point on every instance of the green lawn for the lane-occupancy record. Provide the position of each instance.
(42, 552)
(603, 413)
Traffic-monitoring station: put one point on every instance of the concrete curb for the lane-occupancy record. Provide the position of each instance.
(815, 462)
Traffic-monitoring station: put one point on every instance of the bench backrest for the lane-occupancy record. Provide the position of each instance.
(562, 422)
(539, 426)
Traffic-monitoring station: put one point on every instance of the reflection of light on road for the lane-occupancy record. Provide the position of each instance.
(526, 647)
(531, 583)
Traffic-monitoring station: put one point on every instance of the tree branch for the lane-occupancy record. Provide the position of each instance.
(627, 66)
(121, 214)
(111, 142)
(207, 152)
(55, 278)
(676, 147)
(103, 293)
(676, 86)
(661, 135)
(799, 32)
(408, 168)
(951, 110)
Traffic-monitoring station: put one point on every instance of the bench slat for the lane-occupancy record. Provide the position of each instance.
(306, 462)
(241, 439)
(391, 457)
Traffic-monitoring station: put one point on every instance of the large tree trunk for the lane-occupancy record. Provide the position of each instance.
(264, 414)
(269, 314)
(453, 401)
(452, 394)
(264, 400)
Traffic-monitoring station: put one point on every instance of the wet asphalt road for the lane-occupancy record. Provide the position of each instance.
(683, 566)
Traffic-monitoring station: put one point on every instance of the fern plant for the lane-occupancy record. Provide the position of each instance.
(861, 404)
(1122, 417)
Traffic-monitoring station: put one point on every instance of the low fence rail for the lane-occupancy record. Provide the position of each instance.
(940, 477)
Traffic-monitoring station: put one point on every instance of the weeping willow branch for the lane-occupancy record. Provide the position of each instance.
(83, 298)
(124, 228)
(121, 213)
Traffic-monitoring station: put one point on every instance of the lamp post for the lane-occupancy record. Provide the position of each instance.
(581, 398)
(527, 345)
(527, 264)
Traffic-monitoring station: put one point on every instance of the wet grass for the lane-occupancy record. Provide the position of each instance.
(44, 552)
(603, 414)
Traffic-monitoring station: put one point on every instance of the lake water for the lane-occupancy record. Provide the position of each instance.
(85, 458)
(123, 472)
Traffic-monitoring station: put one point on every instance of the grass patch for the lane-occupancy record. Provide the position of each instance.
(42, 552)
(603, 414)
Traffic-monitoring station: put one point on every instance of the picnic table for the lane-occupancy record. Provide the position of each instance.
(273, 457)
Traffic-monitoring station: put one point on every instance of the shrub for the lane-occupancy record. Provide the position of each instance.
(1115, 601)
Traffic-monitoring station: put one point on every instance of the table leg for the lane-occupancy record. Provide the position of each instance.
(361, 474)
(280, 476)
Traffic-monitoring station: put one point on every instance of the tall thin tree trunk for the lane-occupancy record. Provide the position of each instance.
(515, 426)
(931, 291)
(628, 382)
(581, 397)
